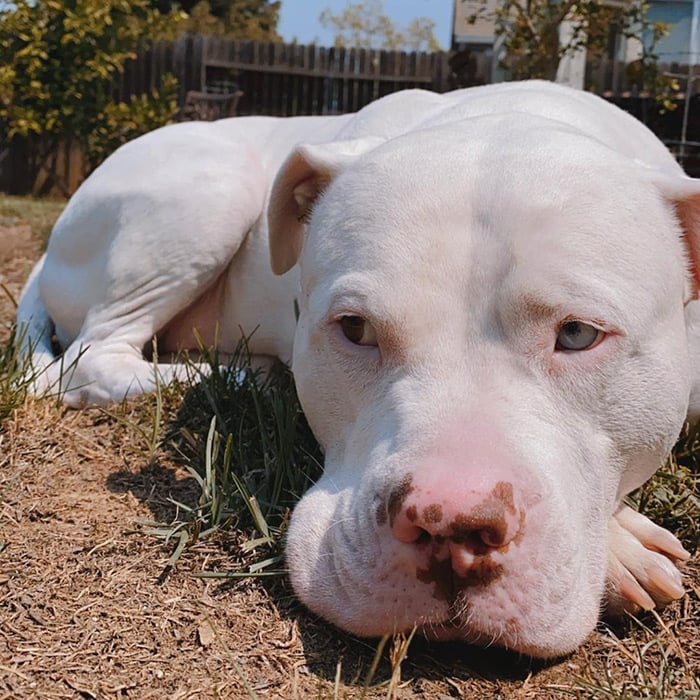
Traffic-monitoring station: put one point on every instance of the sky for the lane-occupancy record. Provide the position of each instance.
(299, 18)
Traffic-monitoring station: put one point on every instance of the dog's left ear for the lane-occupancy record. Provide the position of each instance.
(684, 194)
(299, 182)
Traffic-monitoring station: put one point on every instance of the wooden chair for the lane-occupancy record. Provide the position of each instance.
(206, 106)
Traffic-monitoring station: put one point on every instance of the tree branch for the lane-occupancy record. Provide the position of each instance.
(525, 15)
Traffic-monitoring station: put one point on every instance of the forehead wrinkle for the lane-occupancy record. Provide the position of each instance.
(536, 309)
(564, 295)
(405, 237)
(427, 226)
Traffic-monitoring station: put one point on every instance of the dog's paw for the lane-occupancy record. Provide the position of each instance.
(643, 564)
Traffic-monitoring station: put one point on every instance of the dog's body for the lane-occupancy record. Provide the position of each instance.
(495, 344)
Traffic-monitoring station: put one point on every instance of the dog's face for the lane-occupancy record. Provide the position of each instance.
(491, 350)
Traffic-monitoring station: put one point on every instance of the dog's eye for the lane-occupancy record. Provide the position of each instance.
(576, 335)
(358, 331)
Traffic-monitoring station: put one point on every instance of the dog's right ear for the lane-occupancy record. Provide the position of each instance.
(684, 194)
(299, 182)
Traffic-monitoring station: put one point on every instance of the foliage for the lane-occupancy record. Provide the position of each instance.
(532, 47)
(201, 20)
(366, 24)
(236, 19)
(57, 60)
(120, 122)
(252, 19)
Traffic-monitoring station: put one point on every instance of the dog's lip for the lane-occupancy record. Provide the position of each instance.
(462, 622)
(451, 629)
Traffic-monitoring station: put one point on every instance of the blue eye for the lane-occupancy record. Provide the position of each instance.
(576, 336)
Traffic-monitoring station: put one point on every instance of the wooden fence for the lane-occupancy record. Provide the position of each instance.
(284, 79)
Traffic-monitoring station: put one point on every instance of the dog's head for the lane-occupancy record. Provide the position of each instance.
(491, 350)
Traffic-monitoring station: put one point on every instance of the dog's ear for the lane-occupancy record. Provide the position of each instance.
(299, 182)
(684, 193)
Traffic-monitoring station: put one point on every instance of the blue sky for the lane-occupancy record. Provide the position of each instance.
(299, 18)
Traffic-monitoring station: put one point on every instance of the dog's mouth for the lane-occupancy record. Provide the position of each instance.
(464, 630)
(498, 634)
(481, 615)
(450, 630)
(495, 621)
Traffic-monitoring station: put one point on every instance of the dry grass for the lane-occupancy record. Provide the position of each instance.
(94, 604)
(38, 214)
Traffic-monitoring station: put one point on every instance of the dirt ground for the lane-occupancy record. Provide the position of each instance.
(88, 611)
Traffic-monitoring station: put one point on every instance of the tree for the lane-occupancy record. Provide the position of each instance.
(58, 59)
(531, 41)
(366, 24)
(253, 19)
(237, 19)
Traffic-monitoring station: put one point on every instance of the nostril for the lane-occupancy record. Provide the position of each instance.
(472, 532)
(490, 529)
(423, 538)
(419, 536)
(492, 538)
(405, 531)
(472, 522)
(477, 542)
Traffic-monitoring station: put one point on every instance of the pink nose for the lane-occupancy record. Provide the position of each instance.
(460, 524)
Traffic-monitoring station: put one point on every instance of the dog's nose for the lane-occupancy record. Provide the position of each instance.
(464, 525)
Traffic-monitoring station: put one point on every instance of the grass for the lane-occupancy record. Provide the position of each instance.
(15, 377)
(39, 214)
(672, 497)
(650, 664)
(242, 436)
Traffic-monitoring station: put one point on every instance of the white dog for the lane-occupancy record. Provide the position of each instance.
(495, 343)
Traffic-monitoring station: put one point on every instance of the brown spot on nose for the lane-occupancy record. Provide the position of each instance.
(447, 583)
(398, 496)
(488, 518)
(439, 573)
(432, 513)
(482, 572)
(503, 492)
(460, 552)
